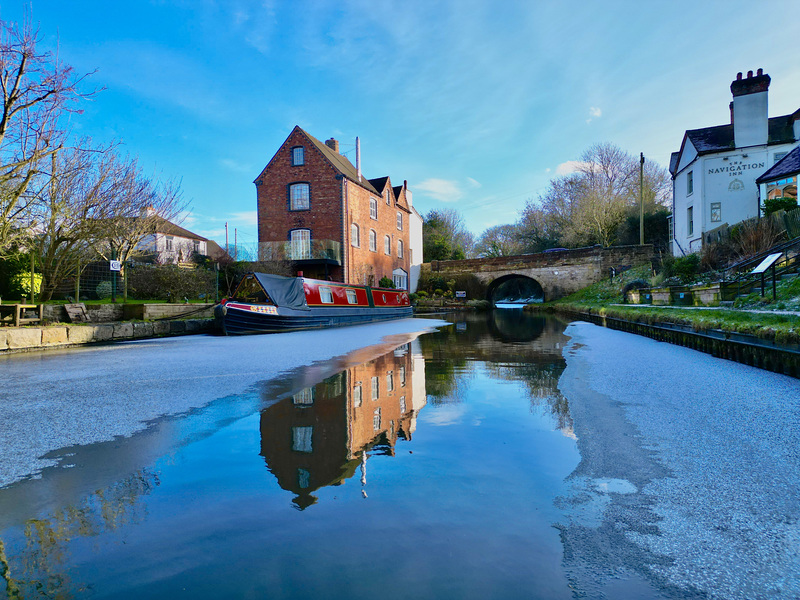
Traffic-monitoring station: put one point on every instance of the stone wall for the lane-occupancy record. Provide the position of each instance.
(559, 273)
(19, 339)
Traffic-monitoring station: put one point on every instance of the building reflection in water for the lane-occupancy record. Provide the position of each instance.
(323, 434)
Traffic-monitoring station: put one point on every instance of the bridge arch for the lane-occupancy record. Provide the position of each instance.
(515, 286)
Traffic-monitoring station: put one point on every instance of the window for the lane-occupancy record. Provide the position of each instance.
(357, 395)
(690, 220)
(390, 381)
(400, 221)
(373, 208)
(298, 156)
(196, 246)
(303, 479)
(299, 196)
(355, 239)
(400, 279)
(376, 419)
(351, 297)
(388, 198)
(689, 182)
(716, 212)
(399, 248)
(300, 243)
(387, 244)
(169, 245)
(301, 439)
(304, 397)
(402, 374)
(779, 156)
(373, 240)
(403, 407)
(375, 388)
(326, 295)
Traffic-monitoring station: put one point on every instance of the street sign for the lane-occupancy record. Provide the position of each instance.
(460, 294)
(767, 262)
(114, 265)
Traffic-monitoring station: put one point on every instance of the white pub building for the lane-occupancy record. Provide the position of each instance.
(714, 173)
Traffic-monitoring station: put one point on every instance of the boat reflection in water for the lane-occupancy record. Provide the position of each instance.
(324, 434)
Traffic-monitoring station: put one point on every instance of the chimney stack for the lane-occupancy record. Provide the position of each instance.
(332, 144)
(749, 110)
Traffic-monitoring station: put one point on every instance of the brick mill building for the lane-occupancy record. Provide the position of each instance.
(316, 210)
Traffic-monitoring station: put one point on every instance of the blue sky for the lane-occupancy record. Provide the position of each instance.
(476, 103)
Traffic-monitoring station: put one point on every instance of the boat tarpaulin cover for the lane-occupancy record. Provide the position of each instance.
(284, 291)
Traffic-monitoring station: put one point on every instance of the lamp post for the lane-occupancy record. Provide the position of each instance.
(641, 199)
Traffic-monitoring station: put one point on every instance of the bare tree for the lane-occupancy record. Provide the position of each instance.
(35, 90)
(500, 240)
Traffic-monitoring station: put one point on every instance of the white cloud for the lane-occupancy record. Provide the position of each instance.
(249, 217)
(473, 182)
(571, 166)
(595, 112)
(444, 190)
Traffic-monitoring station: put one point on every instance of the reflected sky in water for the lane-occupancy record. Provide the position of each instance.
(427, 471)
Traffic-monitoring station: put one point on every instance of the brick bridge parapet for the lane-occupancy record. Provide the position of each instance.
(560, 273)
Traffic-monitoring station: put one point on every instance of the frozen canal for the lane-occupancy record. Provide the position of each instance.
(503, 456)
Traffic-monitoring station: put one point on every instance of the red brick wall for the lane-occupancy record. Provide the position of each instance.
(326, 216)
(362, 260)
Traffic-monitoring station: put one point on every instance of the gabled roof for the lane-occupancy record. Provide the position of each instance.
(673, 162)
(720, 138)
(788, 165)
(401, 197)
(169, 228)
(379, 183)
(340, 163)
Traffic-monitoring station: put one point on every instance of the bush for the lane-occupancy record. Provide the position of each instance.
(717, 255)
(385, 282)
(103, 290)
(772, 205)
(684, 269)
(169, 282)
(421, 294)
(754, 236)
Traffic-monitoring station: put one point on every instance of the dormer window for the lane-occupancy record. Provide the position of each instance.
(298, 156)
(388, 198)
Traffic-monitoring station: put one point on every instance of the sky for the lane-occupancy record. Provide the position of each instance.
(477, 104)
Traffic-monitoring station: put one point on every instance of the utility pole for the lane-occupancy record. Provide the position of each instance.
(235, 242)
(227, 249)
(641, 198)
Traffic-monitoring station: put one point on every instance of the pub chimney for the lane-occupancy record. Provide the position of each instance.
(749, 111)
(332, 144)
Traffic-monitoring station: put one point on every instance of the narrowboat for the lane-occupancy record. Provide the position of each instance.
(264, 303)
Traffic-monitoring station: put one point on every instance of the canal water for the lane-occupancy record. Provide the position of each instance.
(443, 465)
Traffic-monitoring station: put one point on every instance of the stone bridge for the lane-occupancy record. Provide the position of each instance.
(558, 273)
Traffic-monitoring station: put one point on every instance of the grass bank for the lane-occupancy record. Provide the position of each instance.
(602, 299)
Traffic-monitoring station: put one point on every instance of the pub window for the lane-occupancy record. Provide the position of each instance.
(689, 182)
(355, 239)
(716, 212)
(387, 244)
(690, 220)
(298, 156)
(299, 196)
(373, 208)
(326, 295)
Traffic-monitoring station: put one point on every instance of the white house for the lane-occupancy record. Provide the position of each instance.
(714, 173)
(172, 244)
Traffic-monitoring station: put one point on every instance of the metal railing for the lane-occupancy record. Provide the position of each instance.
(303, 250)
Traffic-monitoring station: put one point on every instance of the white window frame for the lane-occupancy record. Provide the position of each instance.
(373, 240)
(373, 208)
(168, 243)
(357, 395)
(376, 419)
(325, 295)
(375, 388)
(351, 296)
(298, 156)
(690, 183)
(300, 243)
(399, 248)
(399, 221)
(690, 220)
(390, 381)
(355, 235)
(716, 206)
(387, 245)
(299, 196)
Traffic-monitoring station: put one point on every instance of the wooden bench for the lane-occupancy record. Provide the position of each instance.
(20, 314)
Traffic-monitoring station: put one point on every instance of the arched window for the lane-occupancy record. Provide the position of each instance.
(355, 239)
(300, 243)
(299, 196)
(387, 244)
(373, 208)
(399, 248)
(373, 240)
